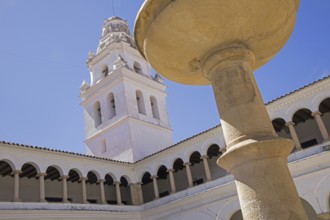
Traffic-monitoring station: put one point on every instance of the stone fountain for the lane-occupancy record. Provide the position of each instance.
(221, 42)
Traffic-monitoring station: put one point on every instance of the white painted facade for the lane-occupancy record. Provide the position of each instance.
(125, 106)
(162, 181)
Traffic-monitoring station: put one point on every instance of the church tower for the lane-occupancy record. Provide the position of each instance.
(124, 105)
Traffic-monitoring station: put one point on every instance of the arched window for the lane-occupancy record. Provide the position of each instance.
(163, 181)
(140, 102)
(53, 185)
(306, 128)
(92, 189)
(6, 181)
(147, 188)
(137, 67)
(105, 71)
(109, 188)
(197, 168)
(97, 114)
(112, 106)
(281, 129)
(75, 195)
(154, 107)
(125, 191)
(180, 175)
(29, 190)
(213, 152)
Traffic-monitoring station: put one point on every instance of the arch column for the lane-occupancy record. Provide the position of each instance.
(189, 176)
(118, 194)
(294, 135)
(65, 188)
(206, 167)
(136, 193)
(16, 174)
(42, 186)
(320, 124)
(155, 184)
(172, 181)
(83, 187)
(101, 183)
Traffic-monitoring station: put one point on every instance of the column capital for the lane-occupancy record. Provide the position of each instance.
(187, 164)
(170, 170)
(64, 177)
(290, 123)
(41, 174)
(83, 178)
(154, 177)
(316, 113)
(135, 184)
(116, 183)
(204, 157)
(101, 181)
(17, 172)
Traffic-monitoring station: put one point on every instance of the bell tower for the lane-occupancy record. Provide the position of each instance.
(124, 104)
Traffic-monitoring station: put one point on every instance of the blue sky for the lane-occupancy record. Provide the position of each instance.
(43, 50)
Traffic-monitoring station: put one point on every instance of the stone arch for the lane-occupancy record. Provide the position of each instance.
(229, 209)
(310, 211)
(109, 188)
(29, 184)
(53, 184)
(213, 153)
(322, 193)
(140, 102)
(180, 175)
(324, 109)
(280, 128)
(306, 128)
(163, 181)
(6, 180)
(137, 67)
(197, 168)
(92, 188)
(74, 186)
(10, 163)
(125, 190)
(154, 107)
(147, 187)
(237, 215)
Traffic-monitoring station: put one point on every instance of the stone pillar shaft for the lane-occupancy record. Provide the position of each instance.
(172, 181)
(102, 193)
(294, 135)
(84, 192)
(189, 176)
(155, 185)
(118, 193)
(42, 186)
(255, 155)
(65, 188)
(320, 124)
(16, 185)
(206, 168)
(136, 193)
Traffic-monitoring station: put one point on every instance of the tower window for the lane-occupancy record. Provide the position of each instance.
(112, 106)
(97, 114)
(140, 102)
(104, 146)
(137, 68)
(105, 71)
(154, 107)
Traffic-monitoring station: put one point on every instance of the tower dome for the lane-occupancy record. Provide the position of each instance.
(114, 25)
